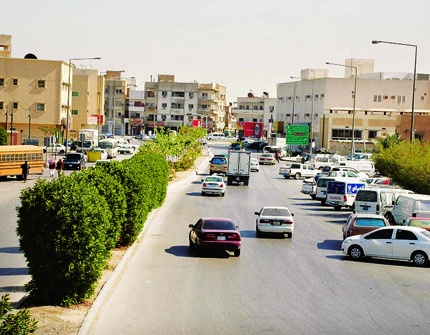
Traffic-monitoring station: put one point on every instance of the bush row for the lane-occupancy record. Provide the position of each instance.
(68, 226)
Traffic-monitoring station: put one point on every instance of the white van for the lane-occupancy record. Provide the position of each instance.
(341, 193)
(322, 188)
(377, 200)
(365, 166)
(215, 136)
(408, 205)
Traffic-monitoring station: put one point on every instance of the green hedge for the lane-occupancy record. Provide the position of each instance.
(67, 226)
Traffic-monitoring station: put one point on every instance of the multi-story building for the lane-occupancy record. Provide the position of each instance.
(116, 92)
(33, 96)
(254, 109)
(370, 106)
(171, 104)
(134, 112)
(87, 101)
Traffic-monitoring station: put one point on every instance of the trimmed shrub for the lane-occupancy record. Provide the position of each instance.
(62, 229)
(19, 323)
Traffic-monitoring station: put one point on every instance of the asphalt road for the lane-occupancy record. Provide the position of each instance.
(301, 285)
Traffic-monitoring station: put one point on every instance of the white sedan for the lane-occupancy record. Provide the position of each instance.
(126, 149)
(402, 243)
(273, 219)
(213, 184)
(255, 166)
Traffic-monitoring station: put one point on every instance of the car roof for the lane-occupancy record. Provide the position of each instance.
(367, 215)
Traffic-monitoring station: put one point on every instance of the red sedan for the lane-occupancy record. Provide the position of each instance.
(215, 233)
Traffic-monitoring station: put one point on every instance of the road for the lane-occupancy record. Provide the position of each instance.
(301, 285)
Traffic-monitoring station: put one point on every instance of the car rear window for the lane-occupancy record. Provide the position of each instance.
(275, 212)
(73, 156)
(334, 187)
(370, 196)
(219, 160)
(215, 179)
(369, 222)
(420, 223)
(221, 225)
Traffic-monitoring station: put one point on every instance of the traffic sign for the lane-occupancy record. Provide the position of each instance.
(298, 134)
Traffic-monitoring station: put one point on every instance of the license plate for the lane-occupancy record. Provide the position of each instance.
(220, 238)
(276, 223)
(365, 208)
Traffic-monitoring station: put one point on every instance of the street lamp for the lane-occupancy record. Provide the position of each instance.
(353, 108)
(68, 97)
(413, 81)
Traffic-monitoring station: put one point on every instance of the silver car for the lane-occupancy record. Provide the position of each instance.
(213, 184)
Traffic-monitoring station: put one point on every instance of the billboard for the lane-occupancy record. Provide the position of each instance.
(196, 123)
(298, 134)
(253, 129)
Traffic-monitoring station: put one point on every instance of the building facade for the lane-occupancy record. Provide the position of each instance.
(370, 106)
(134, 112)
(170, 104)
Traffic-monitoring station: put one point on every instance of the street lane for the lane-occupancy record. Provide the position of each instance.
(277, 286)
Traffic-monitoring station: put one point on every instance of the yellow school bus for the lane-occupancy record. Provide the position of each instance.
(12, 156)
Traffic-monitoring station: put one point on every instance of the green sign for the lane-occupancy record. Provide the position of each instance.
(298, 134)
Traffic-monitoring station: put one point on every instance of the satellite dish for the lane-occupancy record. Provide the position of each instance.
(30, 56)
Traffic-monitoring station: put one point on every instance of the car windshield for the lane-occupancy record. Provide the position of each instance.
(219, 224)
(369, 222)
(73, 156)
(275, 212)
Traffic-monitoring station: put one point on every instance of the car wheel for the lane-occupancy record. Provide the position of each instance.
(203, 193)
(258, 232)
(323, 202)
(192, 245)
(297, 175)
(419, 258)
(313, 196)
(356, 253)
(222, 194)
(237, 253)
(337, 208)
(62, 152)
(290, 235)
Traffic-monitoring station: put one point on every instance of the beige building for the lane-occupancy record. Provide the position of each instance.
(172, 104)
(382, 105)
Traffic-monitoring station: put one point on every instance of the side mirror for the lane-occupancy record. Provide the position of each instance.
(292, 214)
(191, 226)
(257, 213)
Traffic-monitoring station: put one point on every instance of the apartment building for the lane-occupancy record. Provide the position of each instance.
(171, 104)
(382, 103)
(134, 112)
(254, 109)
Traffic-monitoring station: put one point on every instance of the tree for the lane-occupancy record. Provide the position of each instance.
(3, 136)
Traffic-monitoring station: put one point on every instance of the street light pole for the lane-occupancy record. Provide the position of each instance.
(68, 97)
(29, 124)
(354, 100)
(413, 81)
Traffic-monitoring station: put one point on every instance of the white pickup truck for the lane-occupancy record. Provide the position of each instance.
(298, 170)
(309, 187)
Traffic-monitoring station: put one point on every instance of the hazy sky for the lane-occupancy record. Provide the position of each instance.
(244, 45)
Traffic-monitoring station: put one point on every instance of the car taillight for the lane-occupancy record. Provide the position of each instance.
(233, 237)
(204, 184)
(345, 198)
(221, 185)
(209, 237)
(288, 222)
(377, 207)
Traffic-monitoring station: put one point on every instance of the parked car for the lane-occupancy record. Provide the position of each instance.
(215, 233)
(55, 148)
(267, 158)
(423, 223)
(213, 185)
(298, 170)
(358, 224)
(74, 161)
(125, 149)
(255, 166)
(402, 243)
(272, 219)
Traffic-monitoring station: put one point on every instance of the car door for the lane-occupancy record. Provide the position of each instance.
(404, 243)
(380, 243)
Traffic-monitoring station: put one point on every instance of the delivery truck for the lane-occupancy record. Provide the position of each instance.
(238, 167)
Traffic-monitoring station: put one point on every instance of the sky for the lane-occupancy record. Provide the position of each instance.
(245, 45)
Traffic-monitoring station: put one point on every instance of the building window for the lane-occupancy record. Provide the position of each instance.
(204, 95)
(74, 112)
(15, 105)
(150, 94)
(41, 84)
(40, 107)
(190, 106)
(178, 94)
(1, 81)
(403, 99)
(1, 105)
(164, 94)
(163, 105)
(322, 95)
(191, 95)
(15, 82)
(372, 134)
(375, 98)
(75, 94)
